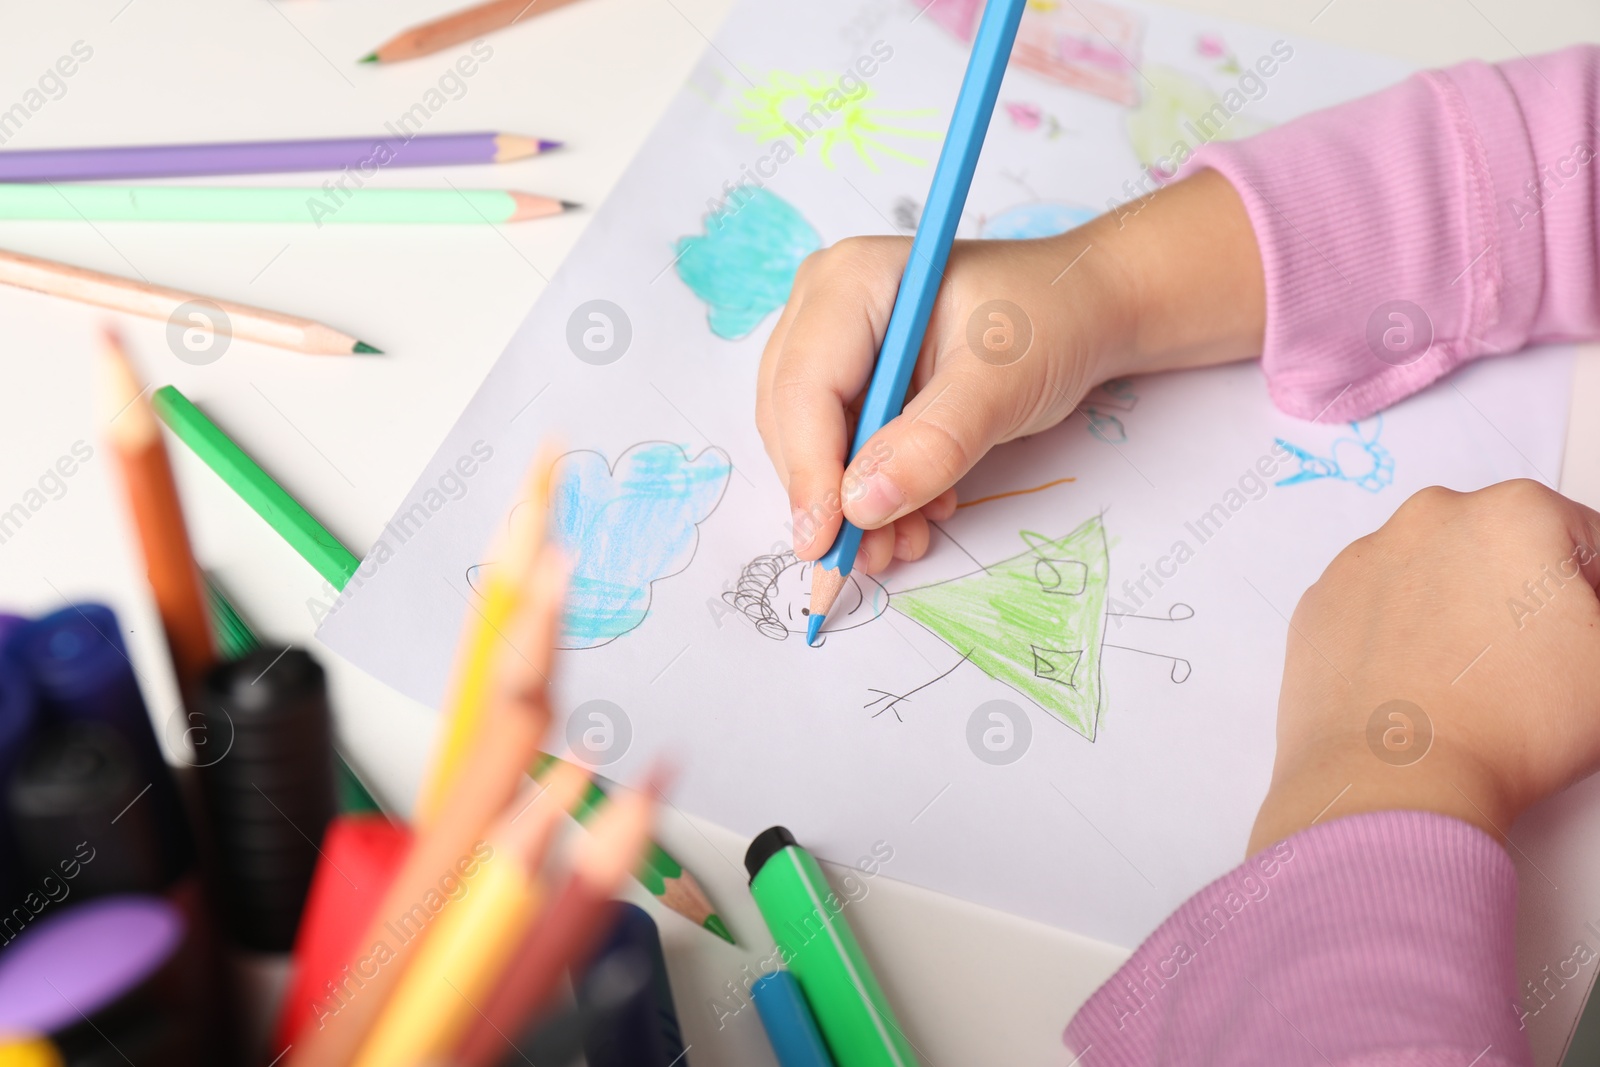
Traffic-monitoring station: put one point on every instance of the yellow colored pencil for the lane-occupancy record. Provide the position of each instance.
(483, 637)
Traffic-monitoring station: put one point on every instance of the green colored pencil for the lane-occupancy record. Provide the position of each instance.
(283, 513)
(664, 876)
(189, 203)
(235, 638)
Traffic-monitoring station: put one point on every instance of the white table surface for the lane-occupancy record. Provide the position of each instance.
(971, 985)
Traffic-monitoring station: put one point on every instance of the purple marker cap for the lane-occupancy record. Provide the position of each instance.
(85, 956)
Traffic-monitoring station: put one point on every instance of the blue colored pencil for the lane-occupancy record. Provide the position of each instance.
(919, 286)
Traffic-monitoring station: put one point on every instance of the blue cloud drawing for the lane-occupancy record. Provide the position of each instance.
(743, 267)
(626, 526)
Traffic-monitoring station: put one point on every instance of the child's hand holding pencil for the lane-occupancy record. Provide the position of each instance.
(1020, 332)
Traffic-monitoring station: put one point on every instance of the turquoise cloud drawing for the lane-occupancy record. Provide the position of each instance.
(626, 526)
(744, 264)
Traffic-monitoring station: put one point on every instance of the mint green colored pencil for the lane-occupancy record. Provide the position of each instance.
(282, 512)
(187, 203)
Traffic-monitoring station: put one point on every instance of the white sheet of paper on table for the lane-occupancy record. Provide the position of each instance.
(1102, 836)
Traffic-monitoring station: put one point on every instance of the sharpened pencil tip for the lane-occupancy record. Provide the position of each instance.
(363, 347)
(370, 57)
(715, 924)
(813, 626)
(551, 146)
(570, 205)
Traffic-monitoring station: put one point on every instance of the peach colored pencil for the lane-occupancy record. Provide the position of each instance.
(468, 948)
(566, 932)
(157, 515)
(158, 302)
(463, 25)
(502, 750)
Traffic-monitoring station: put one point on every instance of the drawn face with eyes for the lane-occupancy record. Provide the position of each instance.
(774, 593)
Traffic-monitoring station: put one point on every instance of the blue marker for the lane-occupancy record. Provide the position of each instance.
(919, 286)
(788, 1021)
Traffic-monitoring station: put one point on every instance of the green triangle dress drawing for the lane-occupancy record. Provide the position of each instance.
(1034, 622)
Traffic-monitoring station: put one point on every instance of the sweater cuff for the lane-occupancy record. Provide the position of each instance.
(1389, 255)
(1384, 931)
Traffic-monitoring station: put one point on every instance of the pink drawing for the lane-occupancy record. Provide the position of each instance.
(1085, 45)
(1025, 116)
(1210, 46)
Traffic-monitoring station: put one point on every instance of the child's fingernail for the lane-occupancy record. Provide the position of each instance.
(801, 527)
(879, 498)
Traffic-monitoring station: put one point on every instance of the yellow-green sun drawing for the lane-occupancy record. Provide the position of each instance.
(802, 108)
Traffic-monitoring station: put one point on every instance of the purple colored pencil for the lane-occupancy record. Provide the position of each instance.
(364, 154)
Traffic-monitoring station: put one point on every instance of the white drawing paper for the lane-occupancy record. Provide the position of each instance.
(1066, 710)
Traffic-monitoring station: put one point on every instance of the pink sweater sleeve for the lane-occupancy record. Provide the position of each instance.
(1379, 940)
(1449, 217)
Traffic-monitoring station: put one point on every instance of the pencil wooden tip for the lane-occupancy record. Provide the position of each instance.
(513, 146)
(565, 784)
(826, 585)
(529, 206)
(619, 835)
(684, 895)
(131, 424)
(536, 812)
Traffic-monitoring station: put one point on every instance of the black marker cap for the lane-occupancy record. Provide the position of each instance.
(767, 843)
(80, 783)
(270, 790)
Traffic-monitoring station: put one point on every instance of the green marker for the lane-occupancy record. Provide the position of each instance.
(283, 513)
(807, 921)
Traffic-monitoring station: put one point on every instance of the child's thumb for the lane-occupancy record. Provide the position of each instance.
(923, 451)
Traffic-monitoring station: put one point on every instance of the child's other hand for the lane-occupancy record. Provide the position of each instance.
(1020, 332)
(1479, 612)
(821, 356)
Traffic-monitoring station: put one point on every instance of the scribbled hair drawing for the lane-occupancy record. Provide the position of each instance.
(751, 596)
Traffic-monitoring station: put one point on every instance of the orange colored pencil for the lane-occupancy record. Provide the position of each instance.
(157, 515)
(463, 25)
(501, 751)
(568, 930)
